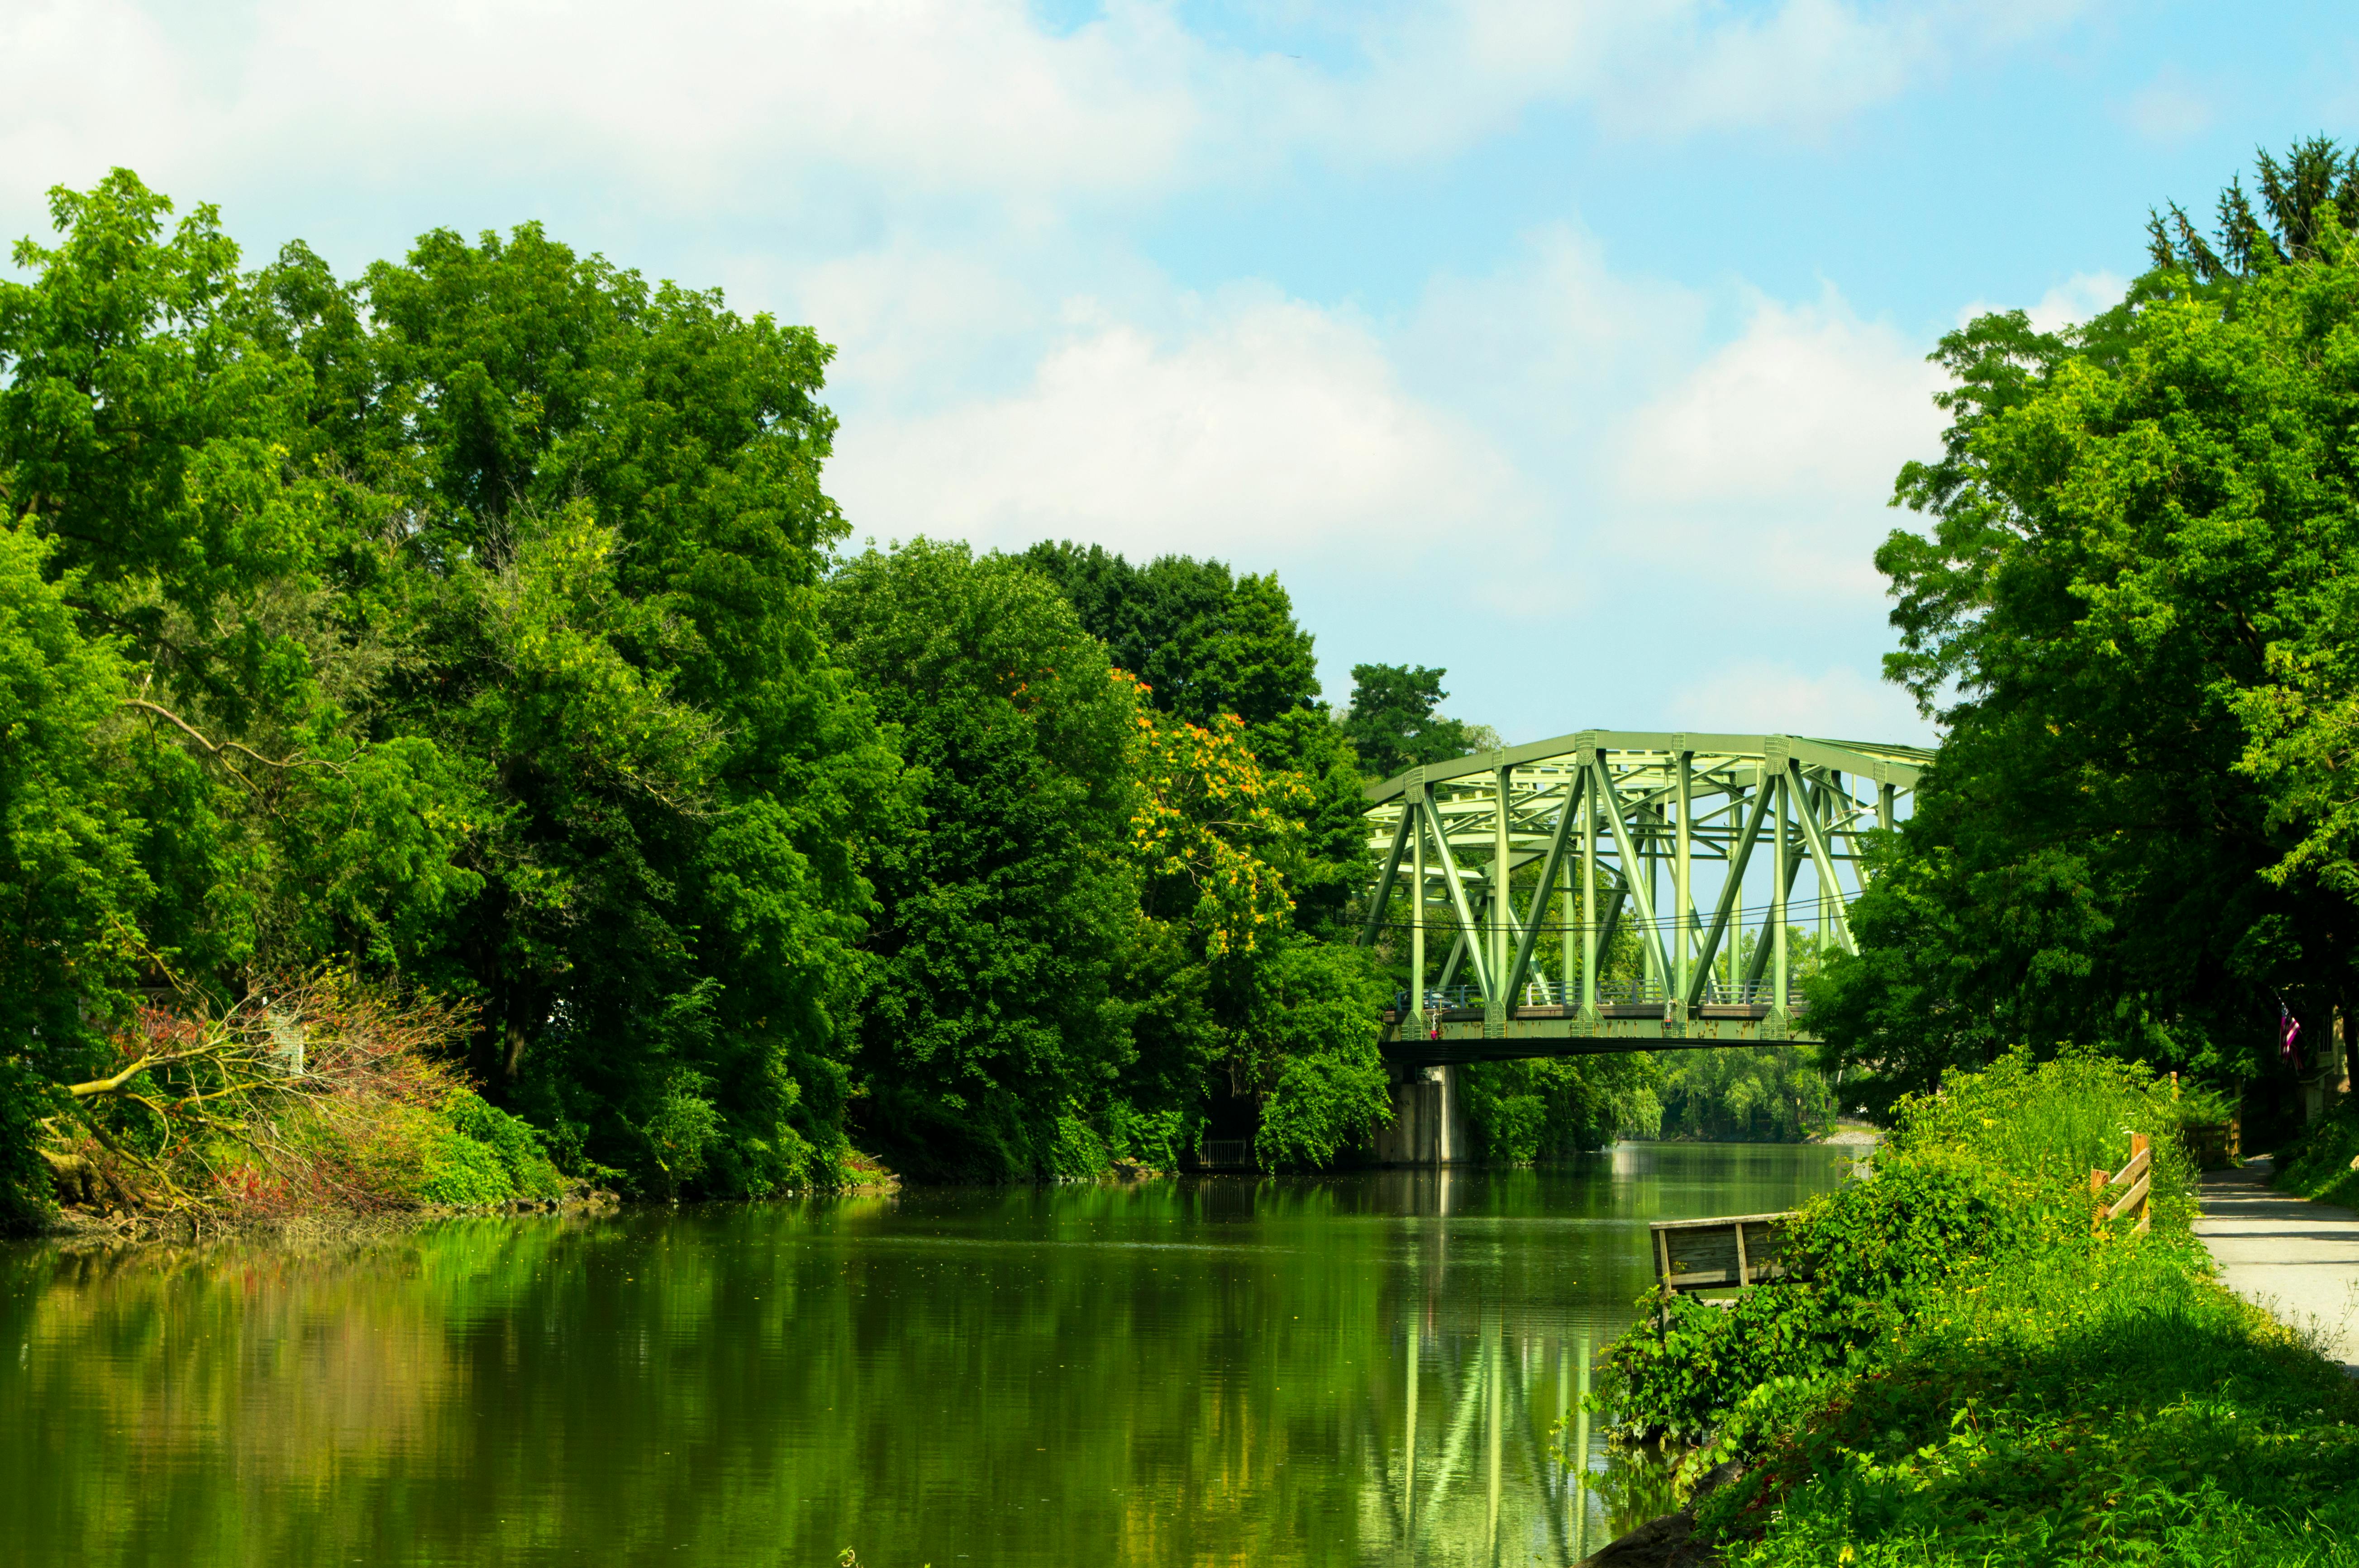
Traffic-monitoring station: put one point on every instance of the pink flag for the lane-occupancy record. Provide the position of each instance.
(2288, 1029)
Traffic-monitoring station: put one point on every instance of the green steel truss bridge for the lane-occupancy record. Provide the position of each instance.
(1695, 845)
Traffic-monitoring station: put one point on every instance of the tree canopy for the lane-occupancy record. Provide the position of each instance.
(2132, 609)
(475, 627)
(1395, 721)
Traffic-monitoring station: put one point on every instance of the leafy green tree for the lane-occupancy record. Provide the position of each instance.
(468, 619)
(1288, 1020)
(1548, 1108)
(615, 496)
(1760, 1094)
(1206, 642)
(2133, 599)
(1006, 900)
(1395, 720)
(71, 889)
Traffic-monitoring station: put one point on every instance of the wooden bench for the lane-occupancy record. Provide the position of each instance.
(1728, 1252)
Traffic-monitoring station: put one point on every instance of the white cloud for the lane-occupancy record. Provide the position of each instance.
(2065, 304)
(1555, 339)
(1839, 702)
(1268, 431)
(714, 106)
(2168, 110)
(686, 104)
(1440, 76)
(1762, 476)
(1810, 402)
(2077, 299)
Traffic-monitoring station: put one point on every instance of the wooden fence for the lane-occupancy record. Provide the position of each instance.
(1732, 1251)
(1225, 1154)
(2138, 1176)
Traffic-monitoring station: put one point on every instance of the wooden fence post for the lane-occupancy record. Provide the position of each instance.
(2139, 1174)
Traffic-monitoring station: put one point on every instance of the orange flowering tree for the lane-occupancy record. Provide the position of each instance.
(1219, 839)
(1212, 830)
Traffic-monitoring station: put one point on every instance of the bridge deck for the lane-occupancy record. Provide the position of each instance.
(1460, 1034)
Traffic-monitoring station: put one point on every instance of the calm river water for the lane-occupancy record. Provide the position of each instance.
(1360, 1370)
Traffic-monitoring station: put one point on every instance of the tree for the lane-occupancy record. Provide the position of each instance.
(1007, 897)
(2136, 587)
(1207, 644)
(2297, 196)
(1290, 1021)
(468, 625)
(71, 889)
(1204, 642)
(1395, 721)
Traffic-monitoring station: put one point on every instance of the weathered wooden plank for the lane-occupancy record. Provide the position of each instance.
(2130, 1199)
(1728, 1251)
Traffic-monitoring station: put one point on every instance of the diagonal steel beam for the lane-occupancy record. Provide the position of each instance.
(1831, 896)
(1730, 894)
(1384, 883)
(1603, 782)
(1467, 928)
(1793, 863)
(1546, 890)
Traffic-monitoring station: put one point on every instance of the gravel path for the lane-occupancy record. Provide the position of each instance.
(2297, 1259)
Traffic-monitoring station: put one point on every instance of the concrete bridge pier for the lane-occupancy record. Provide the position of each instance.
(1428, 1125)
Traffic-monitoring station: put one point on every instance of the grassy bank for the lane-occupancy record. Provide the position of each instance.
(1980, 1374)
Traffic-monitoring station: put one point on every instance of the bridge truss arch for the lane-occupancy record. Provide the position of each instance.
(1694, 843)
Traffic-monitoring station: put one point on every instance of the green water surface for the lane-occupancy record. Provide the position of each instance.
(1215, 1370)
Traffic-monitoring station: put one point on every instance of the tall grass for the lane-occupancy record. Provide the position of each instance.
(2046, 1126)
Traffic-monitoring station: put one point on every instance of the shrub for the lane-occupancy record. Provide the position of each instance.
(2323, 1161)
(477, 1153)
(1978, 1374)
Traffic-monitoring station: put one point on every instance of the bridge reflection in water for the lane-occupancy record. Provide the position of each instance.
(1471, 1442)
(1482, 1413)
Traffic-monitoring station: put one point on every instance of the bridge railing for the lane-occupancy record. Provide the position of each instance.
(1551, 993)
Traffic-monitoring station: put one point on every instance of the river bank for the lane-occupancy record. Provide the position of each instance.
(1979, 1372)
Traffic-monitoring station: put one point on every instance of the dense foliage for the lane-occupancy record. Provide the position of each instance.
(475, 624)
(2134, 611)
(1978, 1373)
(1747, 1094)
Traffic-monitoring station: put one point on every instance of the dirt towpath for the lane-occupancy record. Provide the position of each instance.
(2299, 1259)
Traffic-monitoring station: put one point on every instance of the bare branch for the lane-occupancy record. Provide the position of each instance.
(215, 748)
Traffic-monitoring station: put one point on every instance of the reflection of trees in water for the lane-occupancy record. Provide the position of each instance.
(1197, 1372)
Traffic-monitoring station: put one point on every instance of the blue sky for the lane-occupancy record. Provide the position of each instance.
(1570, 346)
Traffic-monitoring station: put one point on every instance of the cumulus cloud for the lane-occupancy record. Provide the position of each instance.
(2077, 299)
(1267, 429)
(1809, 401)
(2074, 300)
(705, 106)
(1553, 339)
(685, 104)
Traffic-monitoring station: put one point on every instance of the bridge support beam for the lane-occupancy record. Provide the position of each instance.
(1428, 1125)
